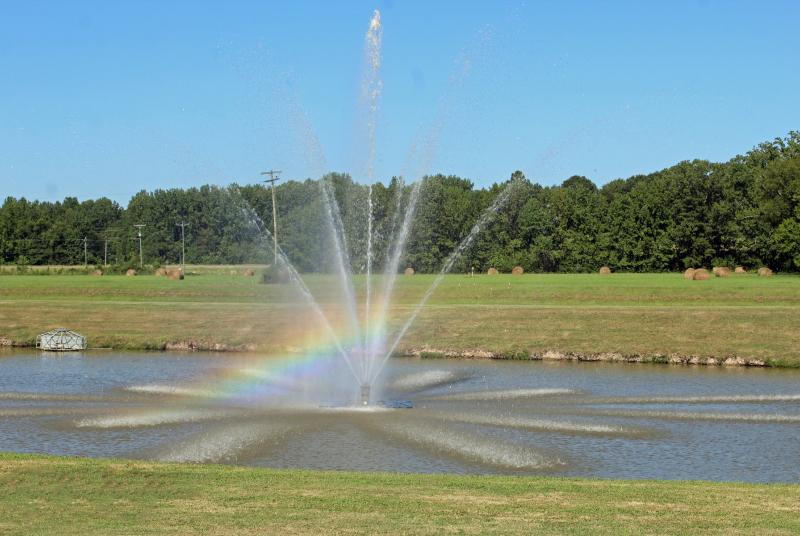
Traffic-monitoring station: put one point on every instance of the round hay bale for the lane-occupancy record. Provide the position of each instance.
(249, 272)
(492, 271)
(721, 271)
(605, 270)
(701, 274)
(764, 272)
(408, 271)
(689, 274)
(97, 272)
(517, 270)
(160, 272)
(131, 272)
(740, 270)
(176, 275)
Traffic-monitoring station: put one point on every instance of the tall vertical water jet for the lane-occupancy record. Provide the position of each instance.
(371, 88)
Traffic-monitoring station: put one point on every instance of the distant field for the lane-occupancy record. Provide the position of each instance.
(49, 495)
(742, 315)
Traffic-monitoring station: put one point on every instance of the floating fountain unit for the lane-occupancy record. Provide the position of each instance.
(364, 398)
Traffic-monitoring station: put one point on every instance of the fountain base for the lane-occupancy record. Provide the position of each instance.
(364, 399)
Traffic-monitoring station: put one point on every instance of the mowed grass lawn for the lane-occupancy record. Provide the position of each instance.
(650, 314)
(49, 495)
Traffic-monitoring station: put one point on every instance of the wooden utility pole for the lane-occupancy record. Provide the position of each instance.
(183, 226)
(273, 177)
(140, 226)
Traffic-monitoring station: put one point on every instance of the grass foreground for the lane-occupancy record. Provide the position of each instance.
(644, 314)
(59, 495)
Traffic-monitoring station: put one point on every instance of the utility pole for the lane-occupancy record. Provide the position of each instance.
(183, 226)
(85, 252)
(140, 226)
(273, 177)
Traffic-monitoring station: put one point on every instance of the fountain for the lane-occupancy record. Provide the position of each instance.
(362, 343)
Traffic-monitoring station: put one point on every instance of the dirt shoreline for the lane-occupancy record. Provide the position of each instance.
(429, 352)
(610, 357)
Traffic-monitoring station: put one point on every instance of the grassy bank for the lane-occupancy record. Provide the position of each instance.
(648, 314)
(48, 495)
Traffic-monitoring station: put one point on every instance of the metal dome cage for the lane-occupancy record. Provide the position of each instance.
(61, 340)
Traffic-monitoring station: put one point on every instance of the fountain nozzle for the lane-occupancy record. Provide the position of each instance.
(365, 394)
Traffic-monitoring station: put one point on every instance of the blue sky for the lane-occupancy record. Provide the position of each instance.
(108, 98)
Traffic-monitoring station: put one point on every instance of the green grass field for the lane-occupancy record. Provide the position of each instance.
(629, 313)
(49, 495)
(649, 314)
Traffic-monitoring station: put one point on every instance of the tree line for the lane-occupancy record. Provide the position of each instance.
(745, 211)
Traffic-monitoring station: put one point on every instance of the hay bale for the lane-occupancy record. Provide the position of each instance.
(605, 270)
(517, 270)
(131, 272)
(492, 271)
(740, 270)
(97, 272)
(689, 274)
(721, 271)
(764, 272)
(408, 271)
(701, 274)
(175, 275)
(160, 272)
(249, 272)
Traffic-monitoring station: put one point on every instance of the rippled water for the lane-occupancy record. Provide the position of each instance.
(576, 419)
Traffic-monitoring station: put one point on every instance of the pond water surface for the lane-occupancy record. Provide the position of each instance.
(527, 418)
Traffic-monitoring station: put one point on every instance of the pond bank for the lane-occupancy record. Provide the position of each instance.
(429, 352)
(612, 357)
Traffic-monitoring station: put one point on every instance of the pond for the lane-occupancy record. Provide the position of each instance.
(481, 417)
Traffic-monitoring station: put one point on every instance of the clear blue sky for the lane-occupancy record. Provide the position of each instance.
(108, 98)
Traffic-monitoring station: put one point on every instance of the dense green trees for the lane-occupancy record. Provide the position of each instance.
(744, 211)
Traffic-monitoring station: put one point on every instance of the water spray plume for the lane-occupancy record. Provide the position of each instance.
(297, 281)
(343, 265)
(486, 218)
